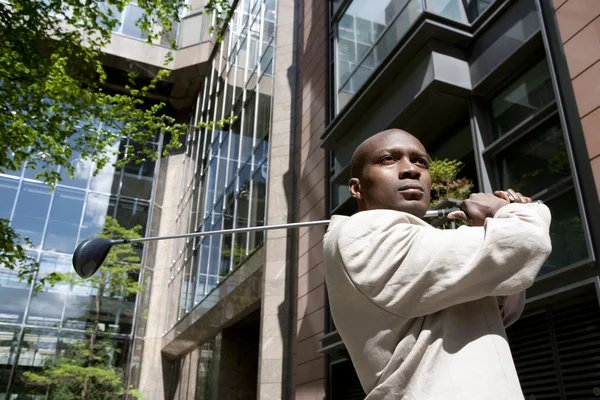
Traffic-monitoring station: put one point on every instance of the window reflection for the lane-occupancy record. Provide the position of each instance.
(107, 179)
(9, 342)
(8, 192)
(46, 307)
(31, 211)
(137, 178)
(536, 162)
(131, 213)
(362, 45)
(522, 99)
(64, 220)
(566, 231)
(98, 206)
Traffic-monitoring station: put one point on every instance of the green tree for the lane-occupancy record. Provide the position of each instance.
(446, 184)
(53, 91)
(85, 370)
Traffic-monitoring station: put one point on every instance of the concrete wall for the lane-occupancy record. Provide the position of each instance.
(151, 370)
(579, 24)
(310, 376)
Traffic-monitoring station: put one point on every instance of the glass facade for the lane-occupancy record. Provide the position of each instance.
(530, 155)
(225, 171)
(34, 326)
(366, 32)
(191, 30)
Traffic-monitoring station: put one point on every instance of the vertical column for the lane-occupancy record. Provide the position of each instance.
(151, 373)
(274, 375)
(310, 377)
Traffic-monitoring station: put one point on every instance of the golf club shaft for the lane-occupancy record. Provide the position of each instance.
(428, 214)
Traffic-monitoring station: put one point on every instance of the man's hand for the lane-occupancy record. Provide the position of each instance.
(480, 206)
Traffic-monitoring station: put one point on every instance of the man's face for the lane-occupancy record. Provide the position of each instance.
(395, 175)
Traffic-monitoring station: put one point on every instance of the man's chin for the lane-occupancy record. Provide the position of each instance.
(416, 208)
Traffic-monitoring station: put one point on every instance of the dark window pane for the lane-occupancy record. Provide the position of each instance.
(37, 347)
(248, 129)
(257, 207)
(522, 99)
(263, 123)
(9, 342)
(64, 220)
(537, 161)
(566, 230)
(8, 192)
(47, 306)
(137, 178)
(131, 213)
(32, 209)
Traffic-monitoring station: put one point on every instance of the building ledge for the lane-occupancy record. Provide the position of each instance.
(238, 295)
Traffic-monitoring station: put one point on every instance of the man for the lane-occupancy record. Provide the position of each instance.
(422, 311)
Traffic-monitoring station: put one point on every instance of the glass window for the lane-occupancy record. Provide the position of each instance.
(131, 213)
(522, 99)
(9, 342)
(248, 129)
(566, 231)
(263, 120)
(83, 168)
(137, 178)
(129, 28)
(8, 192)
(257, 208)
(46, 307)
(98, 206)
(31, 211)
(108, 178)
(64, 220)
(360, 46)
(32, 172)
(14, 294)
(537, 161)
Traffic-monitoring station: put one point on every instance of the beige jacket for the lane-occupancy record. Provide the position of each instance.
(420, 309)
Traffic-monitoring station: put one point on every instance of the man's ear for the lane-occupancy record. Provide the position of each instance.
(355, 189)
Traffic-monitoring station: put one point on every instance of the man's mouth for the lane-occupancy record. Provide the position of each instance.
(411, 189)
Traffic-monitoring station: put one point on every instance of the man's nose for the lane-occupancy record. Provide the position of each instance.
(408, 170)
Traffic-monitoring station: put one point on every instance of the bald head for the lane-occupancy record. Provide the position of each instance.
(390, 170)
(361, 154)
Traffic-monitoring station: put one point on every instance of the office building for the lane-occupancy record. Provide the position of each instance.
(508, 87)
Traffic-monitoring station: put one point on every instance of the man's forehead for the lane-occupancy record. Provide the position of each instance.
(395, 141)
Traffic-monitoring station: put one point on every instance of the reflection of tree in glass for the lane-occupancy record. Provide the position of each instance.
(239, 254)
(444, 181)
(85, 370)
(568, 243)
(445, 184)
(545, 158)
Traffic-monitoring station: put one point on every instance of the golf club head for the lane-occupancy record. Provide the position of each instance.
(90, 255)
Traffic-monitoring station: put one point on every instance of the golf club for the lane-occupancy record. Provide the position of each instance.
(90, 253)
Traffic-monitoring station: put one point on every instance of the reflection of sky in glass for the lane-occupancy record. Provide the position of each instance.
(63, 223)
(8, 191)
(103, 181)
(31, 211)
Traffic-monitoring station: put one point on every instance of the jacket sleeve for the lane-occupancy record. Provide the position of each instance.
(511, 308)
(412, 270)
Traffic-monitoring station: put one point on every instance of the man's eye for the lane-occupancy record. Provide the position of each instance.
(387, 159)
(423, 162)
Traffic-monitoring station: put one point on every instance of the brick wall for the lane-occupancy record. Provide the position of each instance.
(310, 366)
(579, 24)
